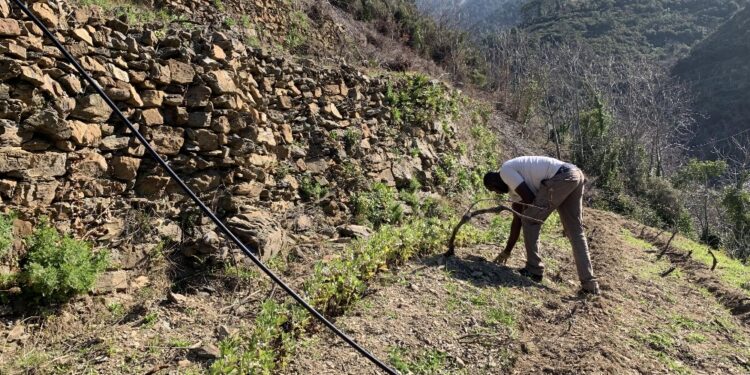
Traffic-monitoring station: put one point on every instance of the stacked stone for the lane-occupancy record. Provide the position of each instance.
(227, 117)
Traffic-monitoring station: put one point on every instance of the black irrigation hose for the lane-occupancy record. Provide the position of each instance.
(198, 201)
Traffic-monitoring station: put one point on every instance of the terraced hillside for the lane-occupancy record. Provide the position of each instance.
(346, 179)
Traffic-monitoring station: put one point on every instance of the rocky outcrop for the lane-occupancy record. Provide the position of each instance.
(242, 126)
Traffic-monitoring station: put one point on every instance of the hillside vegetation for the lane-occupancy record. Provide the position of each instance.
(664, 29)
(718, 72)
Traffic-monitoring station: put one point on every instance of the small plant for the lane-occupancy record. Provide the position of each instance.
(58, 268)
(245, 21)
(179, 343)
(252, 41)
(277, 327)
(659, 341)
(6, 233)
(500, 317)
(150, 319)
(116, 309)
(310, 189)
(352, 139)
(229, 22)
(378, 206)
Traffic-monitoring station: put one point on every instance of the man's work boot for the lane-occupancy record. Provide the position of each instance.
(533, 277)
(590, 287)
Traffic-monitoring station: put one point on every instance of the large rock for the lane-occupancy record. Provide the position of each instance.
(182, 73)
(9, 134)
(167, 140)
(84, 134)
(124, 167)
(9, 27)
(152, 98)
(35, 194)
(33, 75)
(49, 123)
(152, 117)
(221, 82)
(198, 96)
(46, 14)
(90, 166)
(205, 139)
(4, 8)
(110, 282)
(261, 232)
(265, 136)
(17, 162)
(92, 108)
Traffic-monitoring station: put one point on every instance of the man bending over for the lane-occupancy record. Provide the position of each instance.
(546, 184)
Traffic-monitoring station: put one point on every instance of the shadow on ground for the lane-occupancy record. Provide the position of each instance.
(481, 272)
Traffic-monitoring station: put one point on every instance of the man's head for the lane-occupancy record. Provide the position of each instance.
(493, 182)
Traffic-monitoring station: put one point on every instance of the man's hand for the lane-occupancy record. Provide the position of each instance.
(502, 257)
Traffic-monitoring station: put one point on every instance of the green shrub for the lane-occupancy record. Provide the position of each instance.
(6, 233)
(310, 189)
(418, 101)
(58, 268)
(378, 206)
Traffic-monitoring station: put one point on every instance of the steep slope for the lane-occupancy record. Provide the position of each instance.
(717, 70)
(664, 29)
(469, 316)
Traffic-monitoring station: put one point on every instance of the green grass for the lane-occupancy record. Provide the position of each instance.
(731, 271)
(634, 241)
(241, 272)
(137, 13)
(674, 366)
(695, 338)
(179, 343)
(500, 316)
(427, 362)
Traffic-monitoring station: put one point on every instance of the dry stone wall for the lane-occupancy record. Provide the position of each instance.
(244, 128)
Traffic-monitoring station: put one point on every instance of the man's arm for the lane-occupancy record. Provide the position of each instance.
(527, 196)
(515, 232)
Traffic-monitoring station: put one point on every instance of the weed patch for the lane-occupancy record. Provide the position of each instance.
(426, 362)
(59, 267)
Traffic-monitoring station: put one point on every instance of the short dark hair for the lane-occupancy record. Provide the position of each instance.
(493, 182)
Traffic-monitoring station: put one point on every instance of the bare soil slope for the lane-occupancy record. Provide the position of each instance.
(470, 316)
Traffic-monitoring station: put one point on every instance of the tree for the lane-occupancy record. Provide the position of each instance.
(697, 179)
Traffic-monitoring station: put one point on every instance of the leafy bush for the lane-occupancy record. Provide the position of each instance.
(418, 101)
(377, 206)
(58, 267)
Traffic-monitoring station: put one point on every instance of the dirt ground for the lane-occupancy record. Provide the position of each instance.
(464, 315)
(470, 316)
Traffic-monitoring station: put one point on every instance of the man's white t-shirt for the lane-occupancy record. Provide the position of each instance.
(529, 169)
